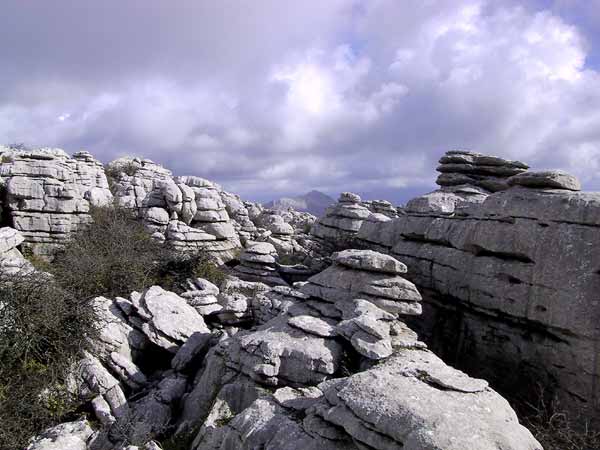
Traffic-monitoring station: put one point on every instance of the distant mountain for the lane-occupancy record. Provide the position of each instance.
(314, 202)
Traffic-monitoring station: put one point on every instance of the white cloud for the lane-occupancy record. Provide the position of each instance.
(288, 96)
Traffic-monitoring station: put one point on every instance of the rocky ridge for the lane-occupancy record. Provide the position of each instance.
(503, 275)
(508, 281)
(324, 365)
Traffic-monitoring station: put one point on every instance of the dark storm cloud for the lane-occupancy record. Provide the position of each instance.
(274, 98)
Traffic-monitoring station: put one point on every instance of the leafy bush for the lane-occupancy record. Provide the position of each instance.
(116, 255)
(176, 268)
(113, 256)
(43, 330)
(46, 321)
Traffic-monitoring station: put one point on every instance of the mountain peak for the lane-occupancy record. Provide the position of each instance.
(314, 202)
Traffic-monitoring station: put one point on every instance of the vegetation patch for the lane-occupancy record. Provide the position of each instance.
(47, 322)
(554, 428)
(43, 331)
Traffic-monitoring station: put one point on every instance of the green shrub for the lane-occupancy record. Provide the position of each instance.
(46, 321)
(175, 268)
(113, 256)
(113, 173)
(43, 330)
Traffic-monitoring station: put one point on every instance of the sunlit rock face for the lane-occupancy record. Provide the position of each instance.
(47, 195)
(465, 177)
(261, 361)
(11, 260)
(342, 221)
(187, 212)
(336, 367)
(509, 278)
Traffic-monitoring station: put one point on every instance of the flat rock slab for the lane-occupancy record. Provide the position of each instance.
(552, 179)
(261, 248)
(369, 260)
(312, 325)
(170, 320)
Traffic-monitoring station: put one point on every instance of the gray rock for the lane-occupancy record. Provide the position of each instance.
(66, 436)
(313, 325)
(168, 320)
(550, 179)
(370, 261)
(413, 401)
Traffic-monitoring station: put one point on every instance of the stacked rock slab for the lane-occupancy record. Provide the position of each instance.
(280, 385)
(133, 405)
(47, 194)
(186, 212)
(475, 169)
(510, 286)
(381, 207)
(258, 263)
(465, 177)
(239, 215)
(342, 221)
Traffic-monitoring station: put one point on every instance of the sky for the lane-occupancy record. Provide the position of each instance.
(274, 98)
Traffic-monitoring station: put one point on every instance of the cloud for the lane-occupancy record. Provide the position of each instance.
(274, 98)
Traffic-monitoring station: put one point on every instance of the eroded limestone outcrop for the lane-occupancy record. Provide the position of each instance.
(465, 178)
(306, 378)
(509, 284)
(47, 195)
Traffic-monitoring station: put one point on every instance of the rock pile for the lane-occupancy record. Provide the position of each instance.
(465, 178)
(523, 258)
(240, 217)
(11, 259)
(188, 212)
(342, 221)
(476, 169)
(381, 207)
(130, 402)
(48, 194)
(255, 385)
(258, 263)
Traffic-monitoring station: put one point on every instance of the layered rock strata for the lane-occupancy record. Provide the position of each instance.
(509, 285)
(258, 263)
(465, 178)
(47, 194)
(341, 222)
(306, 379)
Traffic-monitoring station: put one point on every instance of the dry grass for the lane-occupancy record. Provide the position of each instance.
(554, 428)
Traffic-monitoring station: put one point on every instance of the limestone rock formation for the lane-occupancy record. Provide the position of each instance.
(48, 194)
(488, 172)
(509, 284)
(66, 436)
(550, 179)
(188, 212)
(11, 259)
(410, 400)
(258, 264)
(465, 178)
(342, 221)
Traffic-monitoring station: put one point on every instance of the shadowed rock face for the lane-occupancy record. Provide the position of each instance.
(510, 284)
